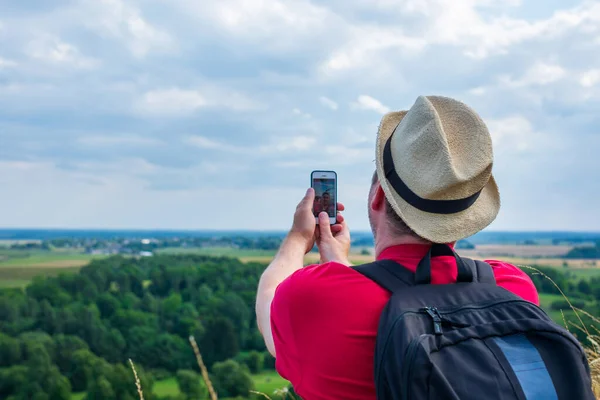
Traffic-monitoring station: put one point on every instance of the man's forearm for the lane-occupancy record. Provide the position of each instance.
(288, 260)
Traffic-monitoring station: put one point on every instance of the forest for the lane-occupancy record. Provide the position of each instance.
(74, 333)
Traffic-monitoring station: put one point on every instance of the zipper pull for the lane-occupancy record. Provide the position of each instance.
(437, 319)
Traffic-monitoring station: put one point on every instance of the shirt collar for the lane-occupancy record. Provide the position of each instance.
(411, 250)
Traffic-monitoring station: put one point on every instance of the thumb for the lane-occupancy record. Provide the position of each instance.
(308, 199)
(324, 226)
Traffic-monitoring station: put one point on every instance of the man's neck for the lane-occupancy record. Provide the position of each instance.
(385, 239)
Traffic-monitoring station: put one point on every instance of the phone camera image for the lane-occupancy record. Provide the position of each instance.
(325, 194)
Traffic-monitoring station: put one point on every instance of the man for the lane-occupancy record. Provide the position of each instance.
(433, 184)
(326, 204)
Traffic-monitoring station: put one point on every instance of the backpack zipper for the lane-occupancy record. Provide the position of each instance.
(437, 319)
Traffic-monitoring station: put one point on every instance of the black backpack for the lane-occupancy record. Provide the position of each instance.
(469, 340)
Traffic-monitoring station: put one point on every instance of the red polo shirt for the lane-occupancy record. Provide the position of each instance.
(324, 320)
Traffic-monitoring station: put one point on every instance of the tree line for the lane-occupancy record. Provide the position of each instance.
(76, 332)
(586, 252)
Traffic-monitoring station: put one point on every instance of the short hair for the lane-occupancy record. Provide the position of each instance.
(393, 218)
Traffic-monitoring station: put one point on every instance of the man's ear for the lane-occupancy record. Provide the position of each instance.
(378, 199)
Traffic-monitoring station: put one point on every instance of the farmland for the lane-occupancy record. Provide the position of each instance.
(18, 267)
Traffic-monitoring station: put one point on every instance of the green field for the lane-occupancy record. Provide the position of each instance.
(18, 267)
(166, 387)
(266, 382)
(557, 315)
(16, 258)
(22, 275)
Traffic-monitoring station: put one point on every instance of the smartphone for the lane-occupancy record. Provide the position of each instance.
(325, 185)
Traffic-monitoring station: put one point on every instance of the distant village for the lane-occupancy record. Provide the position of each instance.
(146, 247)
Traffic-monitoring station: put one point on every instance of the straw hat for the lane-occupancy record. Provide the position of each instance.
(434, 163)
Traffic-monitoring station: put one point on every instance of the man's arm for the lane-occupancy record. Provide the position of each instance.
(290, 258)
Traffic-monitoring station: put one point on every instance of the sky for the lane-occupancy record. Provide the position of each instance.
(184, 114)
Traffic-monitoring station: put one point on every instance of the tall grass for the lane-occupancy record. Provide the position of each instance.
(592, 350)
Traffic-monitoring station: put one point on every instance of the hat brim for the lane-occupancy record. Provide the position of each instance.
(437, 228)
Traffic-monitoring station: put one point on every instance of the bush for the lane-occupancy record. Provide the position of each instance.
(160, 374)
(231, 379)
(253, 360)
(190, 384)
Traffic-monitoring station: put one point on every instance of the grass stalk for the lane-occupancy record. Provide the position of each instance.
(203, 369)
(138, 384)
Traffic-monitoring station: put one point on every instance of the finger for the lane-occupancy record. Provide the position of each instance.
(340, 227)
(308, 199)
(335, 229)
(339, 218)
(324, 226)
(340, 207)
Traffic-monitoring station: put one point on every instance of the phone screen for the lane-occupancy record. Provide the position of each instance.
(325, 196)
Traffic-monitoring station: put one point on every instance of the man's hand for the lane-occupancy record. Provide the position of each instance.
(303, 228)
(333, 241)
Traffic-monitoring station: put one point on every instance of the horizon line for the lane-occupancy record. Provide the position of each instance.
(258, 230)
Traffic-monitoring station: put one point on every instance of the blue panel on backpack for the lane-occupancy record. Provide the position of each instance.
(529, 367)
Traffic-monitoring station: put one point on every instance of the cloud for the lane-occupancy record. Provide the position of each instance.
(171, 102)
(366, 46)
(298, 143)
(278, 145)
(4, 63)
(275, 24)
(297, 111)
(539, 74)
(204, 142)
(52, 50)
(159, 102)
(365, 102)
(590, 78)
(175, 101)
(442, 25)
(125, 23)
(327, 102)
(111, 140)
(513, 132)
(246, 16)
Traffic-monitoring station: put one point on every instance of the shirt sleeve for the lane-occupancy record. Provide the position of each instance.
(285, 312)
(514, 280)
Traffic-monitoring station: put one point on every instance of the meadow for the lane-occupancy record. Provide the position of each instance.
(19, 267)
(266, 382)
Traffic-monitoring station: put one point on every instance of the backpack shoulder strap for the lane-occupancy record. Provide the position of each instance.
(482, 271)
(388, 274)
